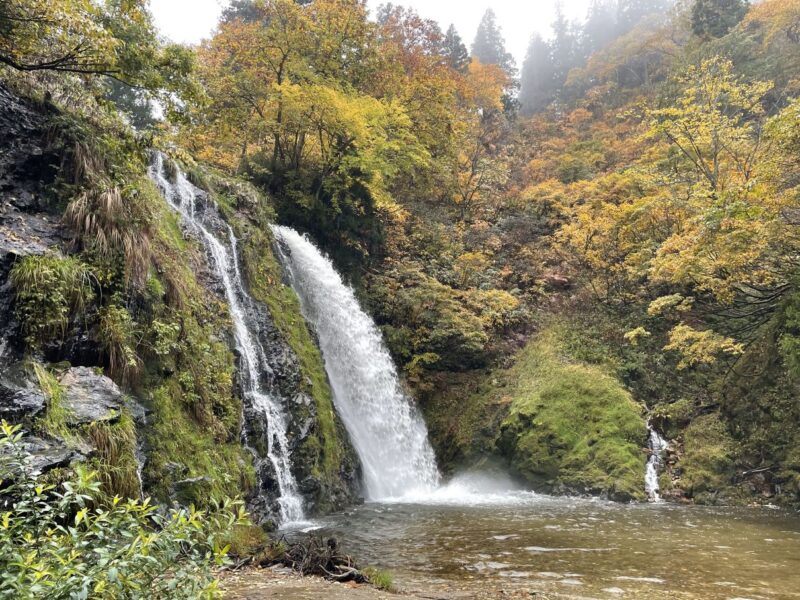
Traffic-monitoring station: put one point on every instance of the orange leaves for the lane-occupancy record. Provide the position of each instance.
(485, 85)
(778, 17)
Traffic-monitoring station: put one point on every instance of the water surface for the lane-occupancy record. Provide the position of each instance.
(515, 543)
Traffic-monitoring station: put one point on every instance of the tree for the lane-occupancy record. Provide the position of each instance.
(537, 79)
(455, 50)
(113, 38)
(715, 18)
(490, 47)
(564, 46)
(600, 26)
(630, 12)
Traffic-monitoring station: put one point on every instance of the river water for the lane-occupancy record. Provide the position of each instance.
(512, 544)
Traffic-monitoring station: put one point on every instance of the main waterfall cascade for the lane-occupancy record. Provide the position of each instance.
(385, 428)
(657, 446)
(185, 198)
(387, 431)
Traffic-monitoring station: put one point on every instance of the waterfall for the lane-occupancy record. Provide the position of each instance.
(657, 445)
(183, 197)
(387, 431)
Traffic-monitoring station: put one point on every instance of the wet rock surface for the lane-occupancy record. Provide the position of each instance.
(26, 225)
(20, 396)
(90, 397)
(45, 455)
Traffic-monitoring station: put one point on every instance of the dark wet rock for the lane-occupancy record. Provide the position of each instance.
(27, 227)
(90, 397)
(45, 455)
(20, 396)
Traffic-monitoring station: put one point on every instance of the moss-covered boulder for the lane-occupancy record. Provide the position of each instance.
(572, 428)
(707, 464)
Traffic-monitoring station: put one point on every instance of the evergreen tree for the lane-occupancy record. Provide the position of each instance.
(600, 27)
(715, 18)
(564, 46)
(537, 85)
(242, 10)
(455, 50)
(490, 47)
(630, 12)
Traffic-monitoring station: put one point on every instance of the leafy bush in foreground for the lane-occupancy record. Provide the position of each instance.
(67, 542)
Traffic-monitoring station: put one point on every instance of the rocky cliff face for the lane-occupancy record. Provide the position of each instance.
(26, 228)
(323, 461)
(174, 336)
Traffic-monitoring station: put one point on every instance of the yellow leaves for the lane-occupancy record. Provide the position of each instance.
(635, 335)
(700, 347)
(485, 85)
(468, 266)
(673, 301)
(69, 33)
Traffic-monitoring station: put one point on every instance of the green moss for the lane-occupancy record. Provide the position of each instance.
(707, 462)
(180, 448)
(671, 419)
(323, 449)
(246, 540)
(463, 412)
(571, 426)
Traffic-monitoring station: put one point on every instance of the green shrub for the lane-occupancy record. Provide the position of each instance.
(59, 543)
(50, 290)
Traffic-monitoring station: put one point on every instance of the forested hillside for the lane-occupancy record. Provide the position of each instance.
(559, 256)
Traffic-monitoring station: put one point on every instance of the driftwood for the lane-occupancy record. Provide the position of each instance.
(316, 556)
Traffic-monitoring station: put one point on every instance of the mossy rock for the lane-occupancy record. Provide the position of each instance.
(572, 427)
(707, 465)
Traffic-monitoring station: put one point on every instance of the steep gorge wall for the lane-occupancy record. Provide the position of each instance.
(162, 335)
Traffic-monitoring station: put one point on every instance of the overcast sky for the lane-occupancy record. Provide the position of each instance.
(189, 21)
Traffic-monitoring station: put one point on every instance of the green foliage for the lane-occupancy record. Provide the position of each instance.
(116, 463)
(54, 421)
(118, 337)
(715, 18)
(51, 290)
(383, 580)
(436, 326)
(59, 542)
(707, 463)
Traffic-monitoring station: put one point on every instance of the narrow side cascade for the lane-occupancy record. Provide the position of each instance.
(184, 198)
(387, 431)
(655, 463)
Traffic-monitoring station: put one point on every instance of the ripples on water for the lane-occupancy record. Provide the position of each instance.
(473, 535)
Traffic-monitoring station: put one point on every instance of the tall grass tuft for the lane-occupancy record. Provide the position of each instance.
(50, 290)
(117, 467)
(118, 336)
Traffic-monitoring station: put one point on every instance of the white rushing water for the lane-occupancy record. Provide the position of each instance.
(655, 463)
(387, 431)
(183, 197)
